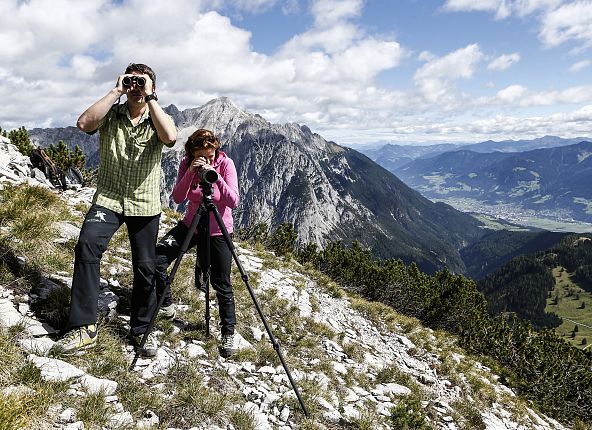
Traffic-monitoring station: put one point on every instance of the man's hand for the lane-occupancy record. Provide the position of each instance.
(134, 88)
(148, 87)
(119, 85)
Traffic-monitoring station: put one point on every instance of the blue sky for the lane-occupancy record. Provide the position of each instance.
(354, 71)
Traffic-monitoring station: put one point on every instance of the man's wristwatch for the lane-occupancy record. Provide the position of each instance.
(149, 97)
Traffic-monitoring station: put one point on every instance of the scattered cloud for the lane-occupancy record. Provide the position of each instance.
(519, 96)
(560, 21)
(435, 80)
(334, 74)
(511, 94)
(328, 12)
(571, 21)
(580, 65)
(197, 53)
(499, 7)
(569, 124)
(504, 62)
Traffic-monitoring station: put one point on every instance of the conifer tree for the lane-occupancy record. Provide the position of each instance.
(20, 138)
(66, 158)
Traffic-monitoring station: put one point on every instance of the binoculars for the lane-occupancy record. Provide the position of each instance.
(129, 80)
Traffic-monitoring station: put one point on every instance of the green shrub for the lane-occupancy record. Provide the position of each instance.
(283, 239)
(408, 415)
(20, 138)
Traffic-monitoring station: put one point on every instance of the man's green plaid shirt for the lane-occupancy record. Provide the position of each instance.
(129, 173)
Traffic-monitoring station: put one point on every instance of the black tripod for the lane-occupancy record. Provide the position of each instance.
(203, 211)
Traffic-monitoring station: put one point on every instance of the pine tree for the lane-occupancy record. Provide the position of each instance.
(66, 158)
(20, 138)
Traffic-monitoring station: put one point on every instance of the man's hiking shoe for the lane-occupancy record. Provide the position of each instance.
(227, 346)
(78, 339)
(150, 347)
(168, 312)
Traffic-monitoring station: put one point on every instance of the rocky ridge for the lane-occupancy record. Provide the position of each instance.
(345, 381)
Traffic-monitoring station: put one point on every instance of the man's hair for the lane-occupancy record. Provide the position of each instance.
(141, 68)
(201, 139)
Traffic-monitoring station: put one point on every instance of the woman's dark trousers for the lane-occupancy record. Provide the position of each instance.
(167, 250)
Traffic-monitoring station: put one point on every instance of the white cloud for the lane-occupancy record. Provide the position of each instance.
(328, 12)
(435, 79)
(561, 21)
(332, 76)
(500, 7)
(499, 127)
(527, 7)
(519, 96)
(572, 21)
(456, 65)
(333, 39)
(511, 94)
(580, 65)
(562, 124)
(197, 53)
(504, 61)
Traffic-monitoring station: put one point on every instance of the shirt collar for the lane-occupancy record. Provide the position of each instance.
(122, 110)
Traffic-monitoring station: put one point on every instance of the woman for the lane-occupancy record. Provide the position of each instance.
(202, 151)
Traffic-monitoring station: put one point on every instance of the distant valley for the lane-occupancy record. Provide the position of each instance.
(544, 187)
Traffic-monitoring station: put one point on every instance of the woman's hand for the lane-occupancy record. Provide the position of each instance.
(198, 163)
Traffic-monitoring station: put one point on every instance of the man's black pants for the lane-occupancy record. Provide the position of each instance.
(167, 250)
(99, 227)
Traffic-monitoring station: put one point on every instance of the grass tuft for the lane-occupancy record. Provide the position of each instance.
(93, 411)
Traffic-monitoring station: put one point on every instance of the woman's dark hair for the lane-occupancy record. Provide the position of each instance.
(141, 68)
(201, 139)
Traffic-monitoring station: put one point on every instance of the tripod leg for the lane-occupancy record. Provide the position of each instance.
(245, 279)
(184, 246)
(205, 265)
(201, 286)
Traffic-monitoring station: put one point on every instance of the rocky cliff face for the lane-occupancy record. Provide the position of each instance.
(289, 174)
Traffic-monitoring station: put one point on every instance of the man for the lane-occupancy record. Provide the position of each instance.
(131, 139)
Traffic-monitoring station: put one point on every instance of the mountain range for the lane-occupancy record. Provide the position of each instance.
(393, 156)
(328, 192)
(554, 180)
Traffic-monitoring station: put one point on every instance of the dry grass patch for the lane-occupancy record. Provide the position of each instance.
(26, 405)
(29, 213)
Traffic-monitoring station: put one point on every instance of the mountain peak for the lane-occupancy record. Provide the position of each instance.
(220, 115)
(222, 103)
